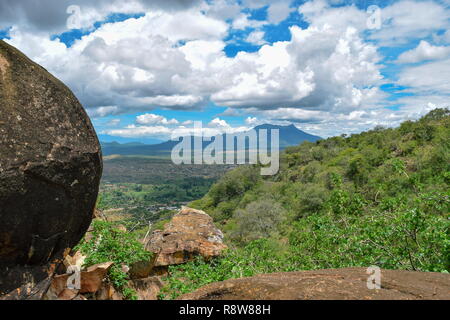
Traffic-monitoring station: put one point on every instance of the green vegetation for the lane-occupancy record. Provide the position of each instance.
(376, 198)
(110, 244)
(257, 257)
(152, 170)
(143, 189)
(125, 195)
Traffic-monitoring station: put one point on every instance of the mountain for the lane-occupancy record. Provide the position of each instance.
(288, 136)
(106, 138)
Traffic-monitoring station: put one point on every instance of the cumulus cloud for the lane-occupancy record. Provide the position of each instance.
(139, 64)
(155, 125)
(52, 16)
(256, 37)
(279, 11)
(133, 65)
(424, 51)
(319, 68)
(133, 131)
(432, 77)
(218, 123)
(327, 75)
(243, 21)
(251, 121)
(401, 21)
(405, 20)
(153, 119)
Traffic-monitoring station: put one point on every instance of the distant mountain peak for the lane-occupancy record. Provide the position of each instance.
(289, 135)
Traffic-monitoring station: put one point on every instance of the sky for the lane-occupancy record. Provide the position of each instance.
(146, 68)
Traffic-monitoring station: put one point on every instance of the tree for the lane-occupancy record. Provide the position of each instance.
(259, 219)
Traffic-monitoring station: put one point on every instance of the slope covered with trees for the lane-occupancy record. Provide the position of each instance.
(376, 198)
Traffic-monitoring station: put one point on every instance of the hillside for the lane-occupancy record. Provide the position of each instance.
(376, 198)
(289, 136)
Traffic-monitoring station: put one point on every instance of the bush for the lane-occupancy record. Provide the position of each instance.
(259, 219)
(110, 244)
(259, 256)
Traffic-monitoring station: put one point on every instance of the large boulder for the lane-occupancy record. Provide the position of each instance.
(334, 284)
(50, 169)
(190, 233)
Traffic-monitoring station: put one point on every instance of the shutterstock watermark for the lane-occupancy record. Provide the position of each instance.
(250, 147)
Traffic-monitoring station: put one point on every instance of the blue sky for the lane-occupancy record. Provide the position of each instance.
(145, 68)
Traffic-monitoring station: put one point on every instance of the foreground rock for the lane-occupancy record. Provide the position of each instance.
(190, 233)
(148, 288)
(50, 168)
(336, 284)
(91, 281)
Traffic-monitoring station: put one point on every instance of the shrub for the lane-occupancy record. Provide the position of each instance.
(259, 256)
(259, 219)
(110, 244)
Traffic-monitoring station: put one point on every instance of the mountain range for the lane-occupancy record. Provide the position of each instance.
(288, 136)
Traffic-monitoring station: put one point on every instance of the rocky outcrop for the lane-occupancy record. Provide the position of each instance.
(335, 284)
(190, 233)
(50, 168)
(147, 288)
(91, 280)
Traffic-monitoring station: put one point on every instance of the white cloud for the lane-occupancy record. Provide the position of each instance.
(154, 119)
(424, 51)
(51, 16)
(279, 11)
(134, 65)
(133, 131)
(139, 65)
(243, 21)
(218, 123)
(256, 37)
(113, 122)
(320, 68)
(223, 9)
(150, 127)
(432, 77)
(320, 14)
(405, 20)
(251, 121)
(103, 111)
(401, 21)
(328, 74)
(442, 38)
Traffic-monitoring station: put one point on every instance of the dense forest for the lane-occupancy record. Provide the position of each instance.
(380, 197)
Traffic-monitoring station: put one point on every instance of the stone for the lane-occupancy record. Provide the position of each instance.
(92, 278)
(91, 281)
(141, 269)
(190, 233)
(330, 284)
(148, 288)
(76, 260)
(108, 292)
(50, 169)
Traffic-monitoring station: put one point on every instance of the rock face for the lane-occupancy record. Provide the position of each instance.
(90, 281)
(336, 284)
(189, 234)
(147, 288)
(50, 168)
